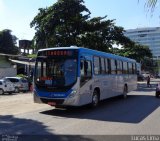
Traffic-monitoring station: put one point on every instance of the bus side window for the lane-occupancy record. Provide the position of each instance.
(134, 68)
(113, 66)
(122, 68)
(125, 68)
(85, 68)
(135, 71)
(82, 68)
(119, 67)
(103, 68)
(130, 68)
(109, 66)
(97, 68)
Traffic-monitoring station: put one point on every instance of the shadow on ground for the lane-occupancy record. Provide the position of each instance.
(17, 129)
(12, 125)
(134, 109)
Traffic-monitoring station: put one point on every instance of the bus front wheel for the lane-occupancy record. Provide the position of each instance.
(95, 99)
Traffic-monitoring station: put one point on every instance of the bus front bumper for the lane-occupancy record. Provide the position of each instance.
(69, 101)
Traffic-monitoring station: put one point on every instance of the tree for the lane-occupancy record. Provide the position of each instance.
(101, 34)
(60, 24)
(151, 4)
(134, 51)
(8, 42)
(68, 22)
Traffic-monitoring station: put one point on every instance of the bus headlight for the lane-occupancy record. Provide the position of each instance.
(72, 94)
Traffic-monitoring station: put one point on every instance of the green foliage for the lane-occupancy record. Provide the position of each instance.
(8, 42)
(151, 4)
(101, 34)
(60, 24)
(32, 55)
(68, 22)
(134, 51)
(21, 75)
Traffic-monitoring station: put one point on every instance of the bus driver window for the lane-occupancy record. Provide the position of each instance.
(86, 71)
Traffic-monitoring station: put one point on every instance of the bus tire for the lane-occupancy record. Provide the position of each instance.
(157, 95)
(1, 91)
(95, 99)
(125, 91)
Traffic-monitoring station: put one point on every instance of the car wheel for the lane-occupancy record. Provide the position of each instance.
(95, 99)
(157, 95)
(1, 91)
(16, 90)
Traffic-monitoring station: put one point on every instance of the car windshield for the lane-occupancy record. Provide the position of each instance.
(56, 72)
(13, 79)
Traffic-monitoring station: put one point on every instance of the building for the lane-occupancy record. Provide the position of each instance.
(7, 68)
(147, 36)
(26, 46)
(12, 65)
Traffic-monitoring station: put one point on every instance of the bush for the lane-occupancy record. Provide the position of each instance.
(21, 75)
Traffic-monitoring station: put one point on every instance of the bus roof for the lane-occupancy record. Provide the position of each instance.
(91, 51)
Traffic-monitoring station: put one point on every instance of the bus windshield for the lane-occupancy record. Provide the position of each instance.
(56, 72)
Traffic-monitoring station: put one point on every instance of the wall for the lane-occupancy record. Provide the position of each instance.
(6, 68)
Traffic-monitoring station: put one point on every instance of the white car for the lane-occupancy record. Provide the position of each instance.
(21, 84)
(6, 87)
(145, 75)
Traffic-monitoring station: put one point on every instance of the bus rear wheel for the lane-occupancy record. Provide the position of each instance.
(125, 90)
(95, 99)
(157, 95)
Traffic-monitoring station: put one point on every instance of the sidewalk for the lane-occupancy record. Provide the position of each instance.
(153, 83)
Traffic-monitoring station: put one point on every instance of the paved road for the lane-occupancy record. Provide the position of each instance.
(139, 114)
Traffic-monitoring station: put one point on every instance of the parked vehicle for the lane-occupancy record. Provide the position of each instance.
(75, 76)
(140, 78)
(157, 76)
(21, 84)
(157, 90)
(6, 87)
(146, 75)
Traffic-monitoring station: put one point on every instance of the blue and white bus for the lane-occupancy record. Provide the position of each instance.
(75, 76)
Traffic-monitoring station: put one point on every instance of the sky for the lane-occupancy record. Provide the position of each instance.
(17, 15)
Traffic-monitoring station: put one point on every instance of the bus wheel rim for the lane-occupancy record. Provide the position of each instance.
(95, 100)
(125, 92)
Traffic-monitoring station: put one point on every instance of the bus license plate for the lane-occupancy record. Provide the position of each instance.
(52, 103)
